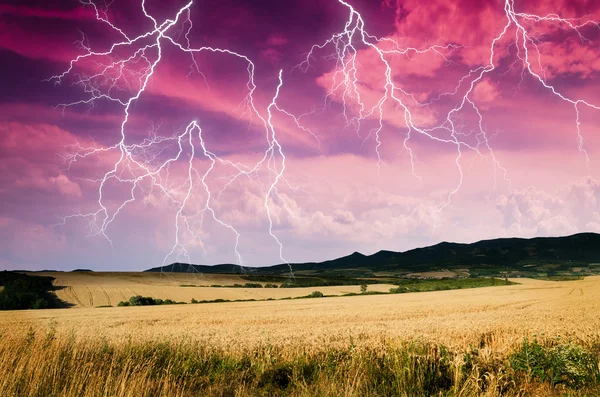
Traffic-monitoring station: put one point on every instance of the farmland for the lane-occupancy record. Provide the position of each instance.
(89, 289)
(454, 318)
(486, 327)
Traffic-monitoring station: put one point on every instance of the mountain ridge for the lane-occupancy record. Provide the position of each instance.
(549, 254)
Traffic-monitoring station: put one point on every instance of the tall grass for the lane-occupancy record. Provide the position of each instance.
(60, 365)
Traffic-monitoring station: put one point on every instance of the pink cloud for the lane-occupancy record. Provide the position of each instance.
(77, 13)
(38, 45)
(29, 242)
(272, 55)
(486, 92)
(571, 56)
(34, 163)
(571, 209)
(277, 40)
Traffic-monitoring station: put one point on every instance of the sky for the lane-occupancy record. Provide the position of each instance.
(135, 134)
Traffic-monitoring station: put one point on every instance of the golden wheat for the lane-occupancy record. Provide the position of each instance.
(458, 318)
(90, 289)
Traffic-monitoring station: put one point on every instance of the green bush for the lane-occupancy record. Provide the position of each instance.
(139, 300)
(23, 291)
(563, 364)
(253, 285)
(316, 294)
(40, 303)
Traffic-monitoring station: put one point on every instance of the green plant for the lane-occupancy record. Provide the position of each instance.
(252, 285)
(64, 366)
(22, 291)
(568, 363)
(139, 300)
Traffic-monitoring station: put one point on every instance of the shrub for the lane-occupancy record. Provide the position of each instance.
(252, 285)
(269, 285)
(568, 364)
(39, 303)
(139, 300)
(22, 292)
(316, 294)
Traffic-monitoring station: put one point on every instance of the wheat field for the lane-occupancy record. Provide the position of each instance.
(457, 318)
(91, 289)
(470, 342)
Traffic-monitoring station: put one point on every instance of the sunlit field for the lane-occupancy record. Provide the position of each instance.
(481, 341)
(90, 289)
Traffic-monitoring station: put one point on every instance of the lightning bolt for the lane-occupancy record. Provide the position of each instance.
(348, 42)
(122, 74)
(123, 80)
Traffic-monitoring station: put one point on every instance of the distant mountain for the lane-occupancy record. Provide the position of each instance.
(547, 254)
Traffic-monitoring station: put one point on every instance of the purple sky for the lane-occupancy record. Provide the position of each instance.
(422, 122)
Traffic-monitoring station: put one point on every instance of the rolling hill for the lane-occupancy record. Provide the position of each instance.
(547, 255)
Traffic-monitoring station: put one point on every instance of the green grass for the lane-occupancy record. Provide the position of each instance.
(64, 367)
(562, 278)
(415, 285)
(315, 281)
(567, 364)
(246, 285)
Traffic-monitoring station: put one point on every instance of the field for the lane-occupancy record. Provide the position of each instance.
(454, 318)
(485, 327)
(89, 289)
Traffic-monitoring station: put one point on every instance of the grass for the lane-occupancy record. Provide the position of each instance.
(314, 294)
(475, 342)
(314, 281)
(246, 285)
(47, 364)
(416, 285)
(563, 364)
(563, 278)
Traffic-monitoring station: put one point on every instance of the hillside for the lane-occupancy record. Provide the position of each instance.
(579, 253)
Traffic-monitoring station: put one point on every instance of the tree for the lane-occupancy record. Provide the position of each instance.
(363, 288)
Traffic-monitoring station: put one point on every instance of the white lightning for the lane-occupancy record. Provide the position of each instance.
(123, 80)
(354, 37)
(123, 73)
